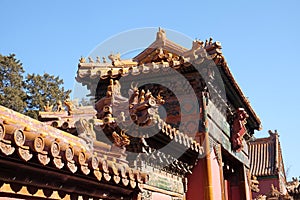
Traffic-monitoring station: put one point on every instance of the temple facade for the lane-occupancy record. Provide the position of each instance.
(219, 121)
(169, 124)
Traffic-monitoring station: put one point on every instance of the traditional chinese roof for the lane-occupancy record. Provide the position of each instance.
(88, 73)
(54, 160)
(65, 120)
(293, 188)
(265, 156)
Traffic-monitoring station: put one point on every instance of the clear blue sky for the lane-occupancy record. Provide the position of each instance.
(260, 41)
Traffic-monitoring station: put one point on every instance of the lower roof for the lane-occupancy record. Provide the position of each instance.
(265, 156)
(43, 151)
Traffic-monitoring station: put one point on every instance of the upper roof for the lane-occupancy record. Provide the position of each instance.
(143, 63)
(265, 156)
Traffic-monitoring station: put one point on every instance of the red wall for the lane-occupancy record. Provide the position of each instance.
(235, 193)
(216, 181)
(196, 182)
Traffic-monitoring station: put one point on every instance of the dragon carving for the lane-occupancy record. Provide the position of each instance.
(120, 140)
(239, 129)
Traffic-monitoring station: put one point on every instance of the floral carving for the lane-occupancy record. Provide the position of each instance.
(72, 167)
(6, 147)
(19, 138)
(55, 149)
(38, 144)
(58, 162)
(98, 174)
(43, 158)
(24, 153)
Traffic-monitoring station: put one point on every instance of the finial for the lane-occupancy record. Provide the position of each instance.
(82, 60)
(210, 40)
(161, 34)
(104, 60)
(273, 133)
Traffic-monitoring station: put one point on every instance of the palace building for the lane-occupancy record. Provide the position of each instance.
(169, 124)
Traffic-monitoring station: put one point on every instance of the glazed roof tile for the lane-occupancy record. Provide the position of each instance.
(265, 156)
(32, 141)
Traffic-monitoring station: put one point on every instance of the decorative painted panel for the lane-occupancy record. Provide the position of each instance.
(167, 182)
(218, 118)
(217, 134)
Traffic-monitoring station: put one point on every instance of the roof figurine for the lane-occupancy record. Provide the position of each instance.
(117, 62)
(121, 140)
(70, 105)
(48, 107)
(98, 60)
(59, 106)
(82, 60)
(104, 60)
